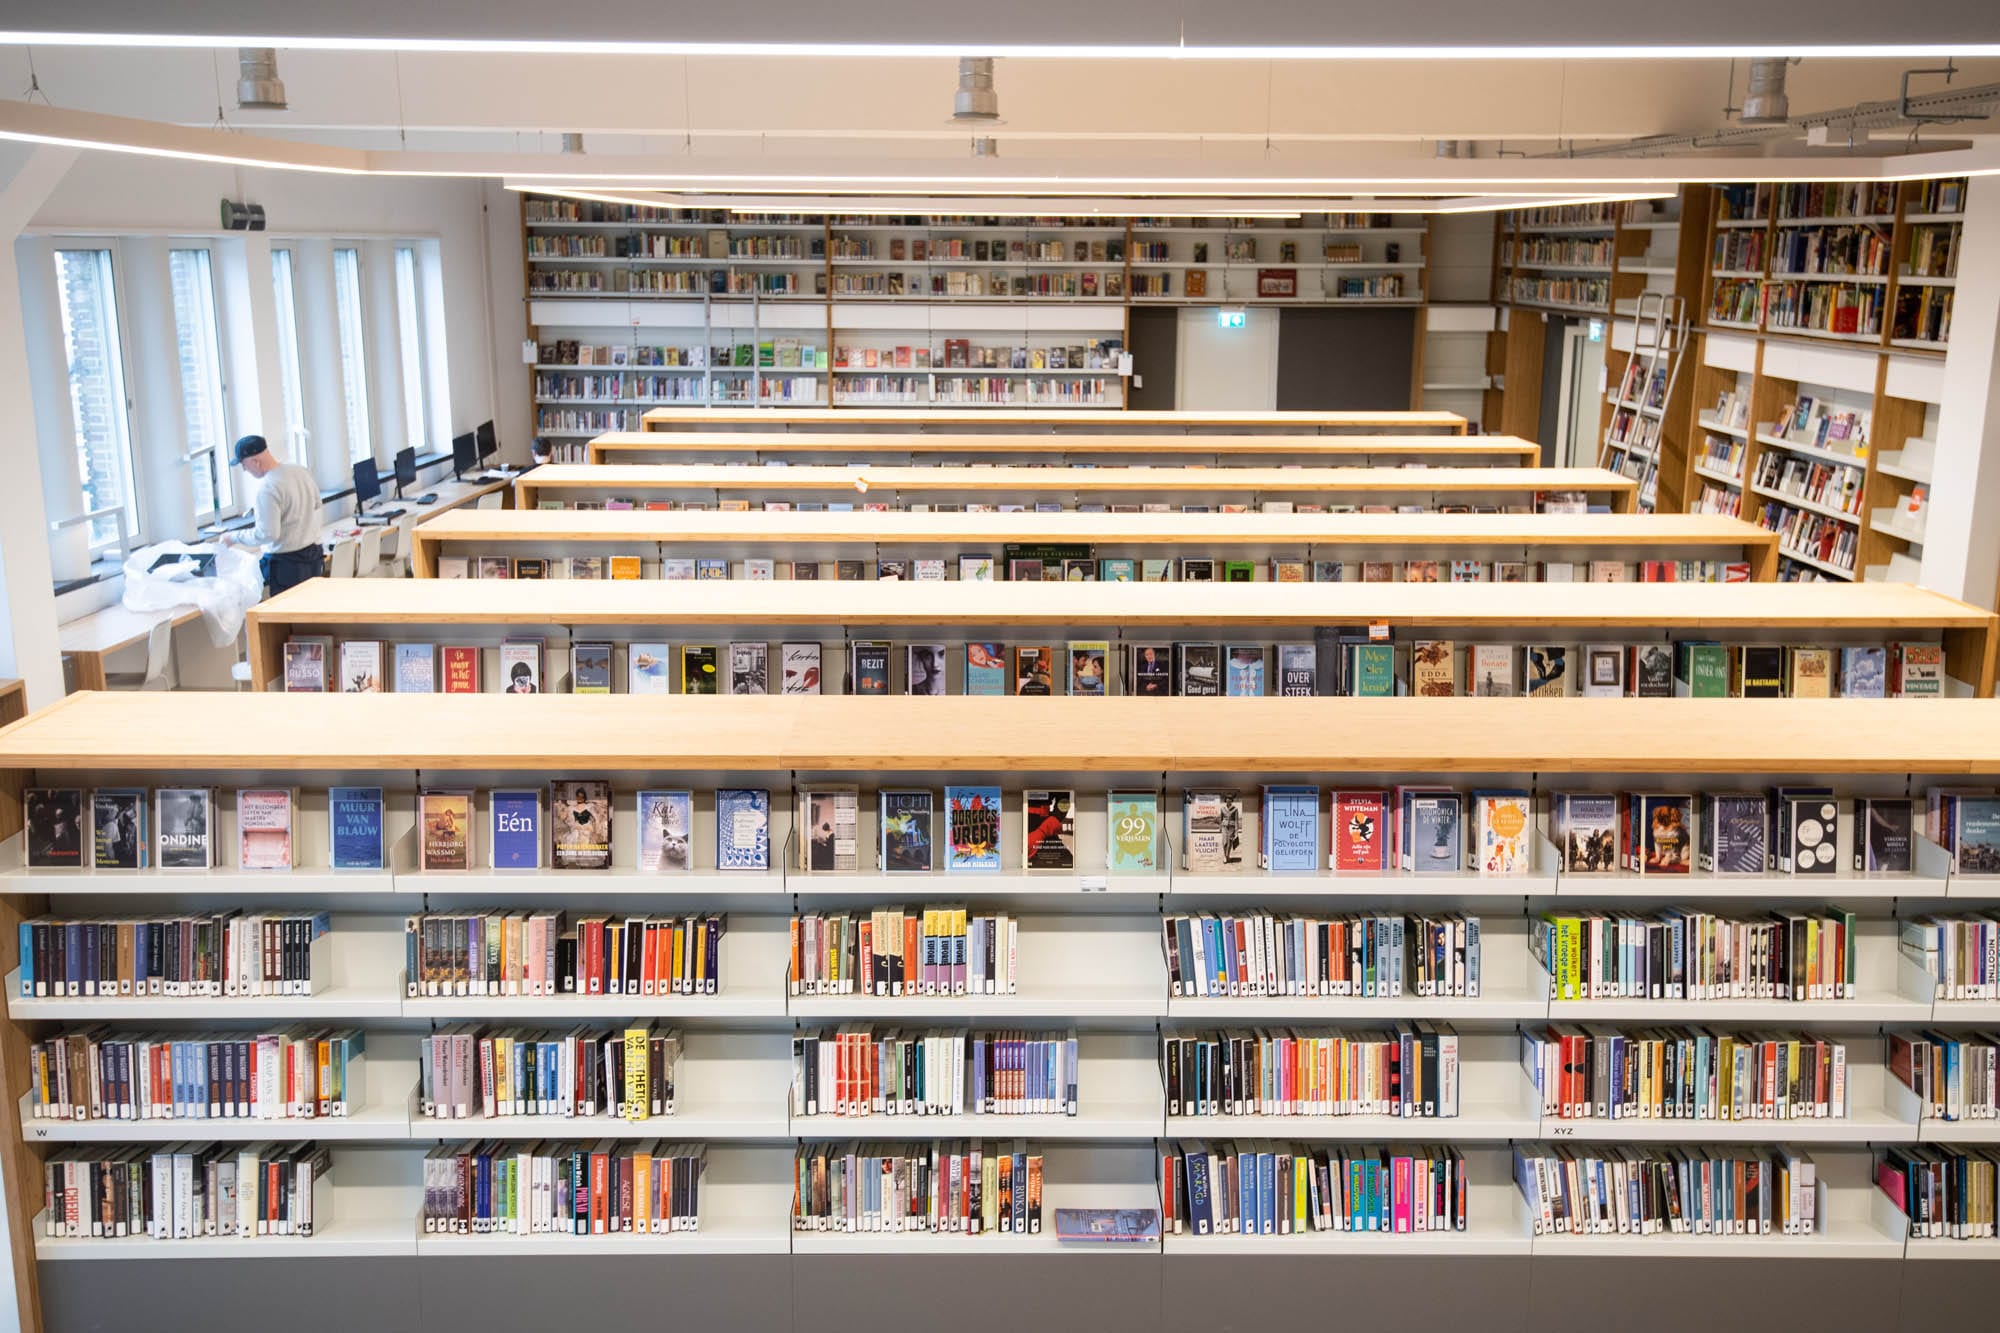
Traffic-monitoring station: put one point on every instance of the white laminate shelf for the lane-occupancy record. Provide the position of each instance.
(1325, 884)
(1861, 1126)
(1479, 1238)
(1717, 475)
(1814, 562)
(1476, 1122)
(997, 1245)
(1752, 888)
(382, 1122)
(1867, 1009)
(1805, 450)
(1506, 1007)
(1811, 506)
(1715, 427)
(616, 882)
(1843, 1239)
(715, 1123)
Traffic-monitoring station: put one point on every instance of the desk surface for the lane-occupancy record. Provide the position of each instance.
(1077, 442)
(671, 417)
(114, 627)
(450, 495)
(724, 477)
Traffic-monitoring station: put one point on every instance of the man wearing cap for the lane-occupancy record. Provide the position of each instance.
(288, 511)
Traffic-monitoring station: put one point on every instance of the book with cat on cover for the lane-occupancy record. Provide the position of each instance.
(517, 828)
(1290, 827)
(828, 843)
(184, 820)
(461, 669)
(1048, 829)
(444, 830)
(749, 668)
(666, 831)
(985, 669)
(972, 829)
(264, 827)
(580, 824)
(354, 827)
(649, 668)
(742, 829)
(908, 837)
(1133, 824)
(1358, 818)
(416, 668)
(800, 674)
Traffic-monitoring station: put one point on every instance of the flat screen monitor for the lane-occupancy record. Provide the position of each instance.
(489, 443)
(367, 486)
(463, 454)
(406, 467)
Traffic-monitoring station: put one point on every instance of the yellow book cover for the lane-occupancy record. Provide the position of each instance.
(958, 944)
(698, 948)
(638, 1052)
(503, 1083)
(642, 1191)
(933, 928)
(680, 955)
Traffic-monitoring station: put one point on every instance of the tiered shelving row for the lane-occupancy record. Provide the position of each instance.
(1068, 449)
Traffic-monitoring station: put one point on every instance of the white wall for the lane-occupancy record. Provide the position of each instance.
(1219, 369)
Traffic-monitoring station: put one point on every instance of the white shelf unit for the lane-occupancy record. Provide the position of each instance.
(1092, 337)
(1388, 257)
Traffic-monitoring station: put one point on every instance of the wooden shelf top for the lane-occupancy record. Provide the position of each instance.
(567, 734)
(1783, 609)
(714, 477)
(666, 418)
(1654, 532)
(1077, 442)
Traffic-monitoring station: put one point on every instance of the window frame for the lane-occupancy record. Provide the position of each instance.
(291, 362)
(355, 399)
(414, 348)
(132, 471)
(228, 497)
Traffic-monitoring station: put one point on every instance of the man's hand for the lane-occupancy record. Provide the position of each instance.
(225, 540)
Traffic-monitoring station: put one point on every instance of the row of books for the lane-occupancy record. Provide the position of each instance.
(1961, 955)
(1789, 830)
(628, 1073)
(946, 1187)
(576, 828)
(187, 1191)
(1082, 567)
(551, 953)
(213, 954)
(533, 1188)
(1694, 1074)
(1253, 1189)
(1831, 250)
(1244, 954)
(894, 951)
(1947, 1193)
(1956, 1075)
(1828, 484)
(862, 1071)
(1802, 533)
(174, 828)
(1670, 1191)
(1410, 1071)
(96, 1074)
(1676, 954)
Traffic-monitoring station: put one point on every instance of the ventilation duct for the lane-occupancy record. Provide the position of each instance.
(258, 87)
(976, 101)
(572, 143)
(1452, 148)
(1765, 102)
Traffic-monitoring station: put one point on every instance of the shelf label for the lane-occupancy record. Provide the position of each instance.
(1378, 633)
(1093, 883)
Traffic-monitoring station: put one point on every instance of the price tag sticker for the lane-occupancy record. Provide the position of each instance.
(1093, 883)
(1378, 633)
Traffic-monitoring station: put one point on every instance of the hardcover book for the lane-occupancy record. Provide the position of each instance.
(361, 666)
(1918, 670)
(416, 668)
(184, 818)
(1048, 829)
(1491, 671)
(1211, 831)
(1864, 672)
(1701, 670)
(972, 829)
(868, 666)
(801, 669)
(1150, 669)
(707, 567)
(1884, 842)
(1290, 829)
(749, 668)
(677, 568)
(118, 835)
(1436, 831)
(580, 825)
(1087, 670)
(461, 669)
(590, 668)
(521, 666)
(586, 566)
(1548, 670)
(531, 567)
(699, 670)
(666, 832)
(1432, 668)
(1373, 673)
(53, 818)
(1199, 669)
(1359, 818)
(264, 828)
(907, 833)
(649, 668)
(1603, 671)
(1502, 833)
(1298, 670)
(1650, 672)
(354, 828)
(1666, 833)
(1586, 829)
(1034, 670)
(1812, 844)
(305, 667)
(828, 844)
(975, 569)
(493, 567)
(1810, 673)
(1246, 671)
(1759, 671)
(444, 830)
(985, 669)
(624, 567)
(742, 829)
(1735, 833)
(1133, 832)
(517, 828)
(924, 667)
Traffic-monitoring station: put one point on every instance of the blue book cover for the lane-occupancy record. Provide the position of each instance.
(1291, 829)
(742, 829)
(1434, 833)
(972, 828)
(416, 668)
(354, 818)
(985, 669)
(1864, 672)
(517, 829)
(1246, 671)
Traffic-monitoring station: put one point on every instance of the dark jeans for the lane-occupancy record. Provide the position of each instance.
(288, 569)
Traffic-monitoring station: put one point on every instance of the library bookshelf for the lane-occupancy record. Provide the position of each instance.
(1068, 447)
(962, 419)
(1090, 958)
(562, 485)
(485, 612)
(1256, 538)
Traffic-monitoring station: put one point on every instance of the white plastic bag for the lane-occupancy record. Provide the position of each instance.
(223, 599)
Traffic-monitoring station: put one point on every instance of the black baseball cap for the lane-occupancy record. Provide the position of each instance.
(250, 446)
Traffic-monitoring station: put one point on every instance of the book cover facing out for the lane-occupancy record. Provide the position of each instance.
(354, 821)
(1374, 671)
(118, 828)
(1736, 834)
(666, 831)
(517, 828)
(1200, 670)
(1358, 832)
(590, 668)
(264, 828)
(416, 668)
(972, 829)
(800, 673)
(1701, 670)
(1815, 834)
(700, 673)
(1211, 831)
(827, 843)
(985, 669)
(907, 834)
(444, 830)
(1885, 830)
(185, 824)
(54, 818)
(1298, 670)
(1977, 836)
(870, 667)
(1587, 832)
(742, 829)
(1291, 829)
(1048, 829)
(1503, 826)
(1548, 670)
(1667, 834)
(1864, 672)
(1435, 833)
(1151, 671)
(648, 668)
(580, 825)
(924, 669)
(749, 668)
(1246, 671)
(1134, 831)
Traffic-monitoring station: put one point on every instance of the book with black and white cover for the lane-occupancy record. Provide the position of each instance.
(666, 831)
(828, 843)
(1810, 827)
(750, 668)
(184, 825)
(521, 666)
(1212, 833)
(580, 824)
(1735, 833)
(800, 673)
(1650, 671)
(1198, 669)
(1048, 829)
(924, 669)
(118, 834)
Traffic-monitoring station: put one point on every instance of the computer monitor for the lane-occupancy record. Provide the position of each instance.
(406, 469)
(464, 454)
(367, 486)
(489, 443)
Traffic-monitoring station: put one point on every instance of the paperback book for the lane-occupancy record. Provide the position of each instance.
(354, 828)
(649, 668)
(1133, 824)
(516, 818)
(801, 669)
(580, 825)
(742, 829)
(1290, 830)
(985, 669)
(666, 832)
(444, 830)
(972, 829)
(184, 820)
(264, 828)
(828, 844)
(1048, 829)
(907, 833)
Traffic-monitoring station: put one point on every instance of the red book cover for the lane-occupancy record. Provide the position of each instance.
(600, 1191)
(1357, 831)
(461, 670)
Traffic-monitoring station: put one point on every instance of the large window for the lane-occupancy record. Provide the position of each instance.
(289, 378)
(197, 347)
(410, 336)
(353, 362)
(97, 389)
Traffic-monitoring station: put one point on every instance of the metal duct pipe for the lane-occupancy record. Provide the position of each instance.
(986, 146)
(1451, 148)
(976, 99)
(1765, 103)
(258, 87)
(572, 143)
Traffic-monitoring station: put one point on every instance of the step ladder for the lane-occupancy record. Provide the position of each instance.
(1632, 441)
